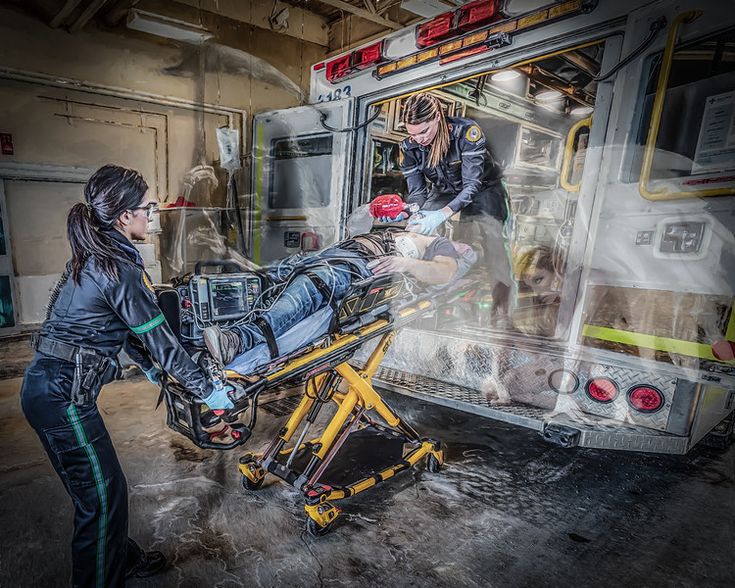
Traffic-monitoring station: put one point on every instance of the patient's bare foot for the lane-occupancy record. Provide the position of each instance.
(223, 345)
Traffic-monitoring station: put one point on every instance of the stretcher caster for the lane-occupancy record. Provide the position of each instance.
(321, 517)
(252, 474)
(433, 464)
(435, 459)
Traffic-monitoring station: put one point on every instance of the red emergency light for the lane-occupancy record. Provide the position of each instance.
(476, 14)
(602, 390)
(338, 68)
(367, 56)
(645, 398)
(437, 29)
(359, 59)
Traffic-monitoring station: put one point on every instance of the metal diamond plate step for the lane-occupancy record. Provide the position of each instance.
(595, 432)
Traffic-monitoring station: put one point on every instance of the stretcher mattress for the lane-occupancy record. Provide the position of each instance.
(298, 336)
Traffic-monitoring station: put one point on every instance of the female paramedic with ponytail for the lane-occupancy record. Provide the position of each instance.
(451, 154)
(103, 299)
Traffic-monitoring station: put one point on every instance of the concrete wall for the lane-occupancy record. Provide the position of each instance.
(81, 100)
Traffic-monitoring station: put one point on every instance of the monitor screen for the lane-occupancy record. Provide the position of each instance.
(228, 298)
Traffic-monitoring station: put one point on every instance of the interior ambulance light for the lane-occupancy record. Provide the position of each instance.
(476, 14)
(581, 110)
(435, 30)
(548, 96)
(645, 398)
(505, 76)
(602, 390)
(338, 68)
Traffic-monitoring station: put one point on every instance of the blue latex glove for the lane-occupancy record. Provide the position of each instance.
(390, 219)
(218, 399)
(154, 375)
(425, 221)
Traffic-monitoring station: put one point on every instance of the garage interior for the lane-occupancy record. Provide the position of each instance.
(87, 82)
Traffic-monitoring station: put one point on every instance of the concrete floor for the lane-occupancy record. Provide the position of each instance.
(507, 510)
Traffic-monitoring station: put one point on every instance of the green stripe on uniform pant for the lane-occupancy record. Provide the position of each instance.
(99, 482)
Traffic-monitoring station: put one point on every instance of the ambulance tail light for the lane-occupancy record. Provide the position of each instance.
(367, 56)
(338, 68)
(437, 29)
(645, 399)
(476, 14)
(602, 390)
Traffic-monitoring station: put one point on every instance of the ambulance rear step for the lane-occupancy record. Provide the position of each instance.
(557, 428)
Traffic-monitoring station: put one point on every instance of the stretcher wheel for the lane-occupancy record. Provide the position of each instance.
(433, 464)
(251, 485)
(315, 529)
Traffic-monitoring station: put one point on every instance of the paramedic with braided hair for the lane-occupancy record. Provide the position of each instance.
(449, 168)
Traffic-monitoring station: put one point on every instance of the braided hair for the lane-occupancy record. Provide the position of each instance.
(109, 193)
(424, 107)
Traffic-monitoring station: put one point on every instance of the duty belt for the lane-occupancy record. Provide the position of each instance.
(89, 366)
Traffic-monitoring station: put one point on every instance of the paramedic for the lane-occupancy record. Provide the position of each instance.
(103, 298)
(449, 168)
(323, 278)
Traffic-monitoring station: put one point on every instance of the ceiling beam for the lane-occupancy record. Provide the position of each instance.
(64, 13)
(362, 13)
(92, 8)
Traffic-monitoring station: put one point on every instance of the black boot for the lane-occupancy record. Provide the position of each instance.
(149, 564)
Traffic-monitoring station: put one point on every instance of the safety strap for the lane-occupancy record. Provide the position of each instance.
(270, 338)
(328, 296)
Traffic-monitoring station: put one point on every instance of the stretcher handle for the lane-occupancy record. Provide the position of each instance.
(228, 267)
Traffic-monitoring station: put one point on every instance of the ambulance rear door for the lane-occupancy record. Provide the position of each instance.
(301, 162)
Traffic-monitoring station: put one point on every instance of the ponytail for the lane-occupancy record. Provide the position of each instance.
(85, 239)
(109, 192)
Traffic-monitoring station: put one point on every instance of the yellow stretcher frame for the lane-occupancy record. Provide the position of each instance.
(655, 123)
(353, 406)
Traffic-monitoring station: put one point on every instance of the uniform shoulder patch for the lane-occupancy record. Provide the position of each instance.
(473, 134)
(147, 281)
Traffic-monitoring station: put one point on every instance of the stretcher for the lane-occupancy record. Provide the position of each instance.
(373, 309)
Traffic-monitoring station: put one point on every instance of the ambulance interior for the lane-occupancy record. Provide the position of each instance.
(530, 114)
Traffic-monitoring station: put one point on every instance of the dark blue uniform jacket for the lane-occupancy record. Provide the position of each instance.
(105, 315)
(468, 178)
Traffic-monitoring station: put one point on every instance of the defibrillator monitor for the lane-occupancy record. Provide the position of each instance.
(225, 297)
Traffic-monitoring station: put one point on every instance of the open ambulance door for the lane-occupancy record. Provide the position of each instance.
(301, 158)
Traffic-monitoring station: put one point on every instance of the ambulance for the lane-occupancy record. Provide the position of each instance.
(615, 125)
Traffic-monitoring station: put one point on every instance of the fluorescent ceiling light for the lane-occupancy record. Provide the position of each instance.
(425, 8)
(163, 26)
(548, 95)
(505, 76)
(581, 110)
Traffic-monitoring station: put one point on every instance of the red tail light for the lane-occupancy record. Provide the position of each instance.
(645, 398)
(476, 14)
(435, 30)
(367, 56)
(338, 68)
(602, 390)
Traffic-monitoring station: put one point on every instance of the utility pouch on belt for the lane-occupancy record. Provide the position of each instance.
(91, 370)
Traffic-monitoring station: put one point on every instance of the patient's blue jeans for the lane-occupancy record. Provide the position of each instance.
(301, 298)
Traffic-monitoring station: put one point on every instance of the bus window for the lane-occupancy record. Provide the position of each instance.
(695, 142)
(536, 120)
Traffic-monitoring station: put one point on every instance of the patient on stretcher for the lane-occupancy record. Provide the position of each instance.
(315, 284)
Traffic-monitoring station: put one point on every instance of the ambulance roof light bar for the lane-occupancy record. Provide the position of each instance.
(359, 59)
(498, 33)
